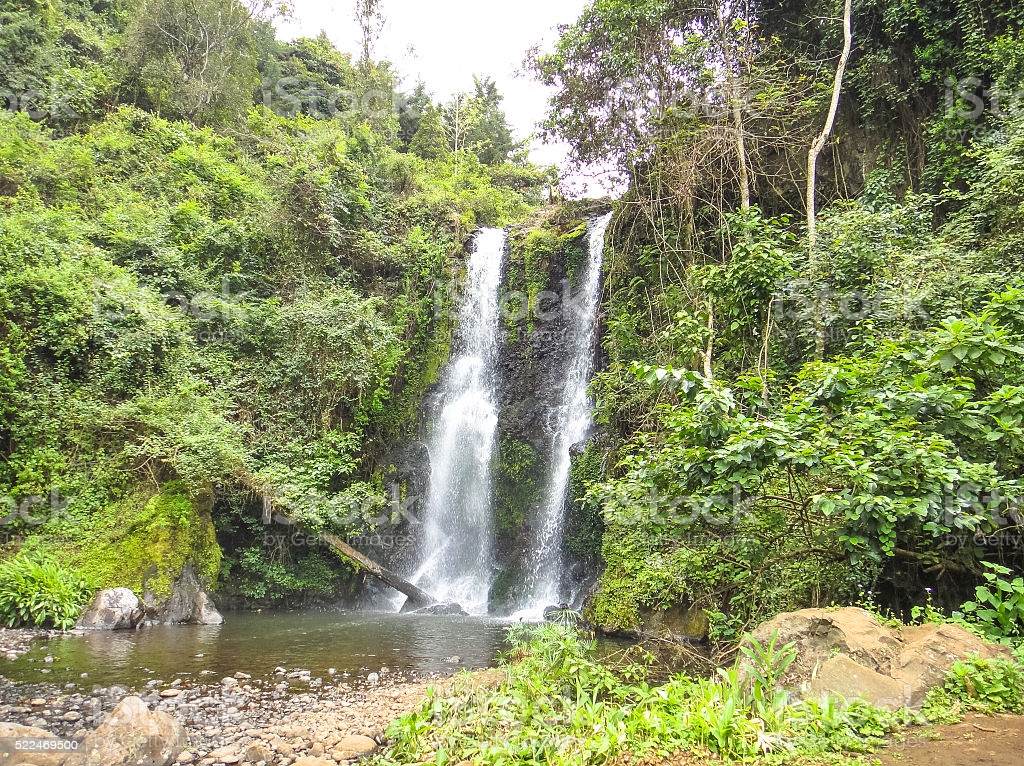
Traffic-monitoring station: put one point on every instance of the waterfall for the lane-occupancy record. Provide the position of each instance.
(572, 419)
(456, 559)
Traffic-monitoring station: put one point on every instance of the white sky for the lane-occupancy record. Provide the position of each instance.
(446, 42)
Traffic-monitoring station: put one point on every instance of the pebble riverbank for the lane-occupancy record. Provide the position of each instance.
(286, 718)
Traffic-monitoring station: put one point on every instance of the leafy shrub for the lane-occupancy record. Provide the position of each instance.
(999, 605)
(995, 686)
(559, 706)
(38, 592)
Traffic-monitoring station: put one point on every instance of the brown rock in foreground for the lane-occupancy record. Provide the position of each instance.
(846, 652)
(133, 735)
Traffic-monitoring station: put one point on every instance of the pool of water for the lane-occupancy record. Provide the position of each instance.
(353, 643)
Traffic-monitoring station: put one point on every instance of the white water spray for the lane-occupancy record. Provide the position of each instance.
(457, 556)
(572, 417)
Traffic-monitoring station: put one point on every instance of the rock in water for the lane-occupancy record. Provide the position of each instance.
(188, 604)
(134, 736)
(113, 609)
(439, 610)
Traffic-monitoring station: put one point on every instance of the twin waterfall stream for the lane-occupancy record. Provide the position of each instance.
(458, 538)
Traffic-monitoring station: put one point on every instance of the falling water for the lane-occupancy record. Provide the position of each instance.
(456, 561)
(572, 419)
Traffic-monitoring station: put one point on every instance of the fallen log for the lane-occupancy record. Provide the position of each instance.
(418, 598)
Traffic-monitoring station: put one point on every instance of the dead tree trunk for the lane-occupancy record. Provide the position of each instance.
(819, 142)
(418, 597)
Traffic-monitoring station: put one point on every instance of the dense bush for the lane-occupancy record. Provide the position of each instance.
(39, 592)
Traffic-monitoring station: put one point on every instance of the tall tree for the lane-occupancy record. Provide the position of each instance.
(489, 136)
(430, 141)
(196, 59)
(371, 21)
(412, 108)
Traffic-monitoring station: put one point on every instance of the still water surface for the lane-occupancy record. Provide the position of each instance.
(355, 643)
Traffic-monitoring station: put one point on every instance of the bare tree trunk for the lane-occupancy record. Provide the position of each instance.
(819, 143)
(709, 353)
(732, 76)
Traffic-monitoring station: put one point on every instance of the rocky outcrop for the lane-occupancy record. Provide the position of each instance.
(188, 603)
(112, 609)
(846, 652)
(120, 609)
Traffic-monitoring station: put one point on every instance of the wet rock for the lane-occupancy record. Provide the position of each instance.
(188, 604)
(112, 609)
(450, 608)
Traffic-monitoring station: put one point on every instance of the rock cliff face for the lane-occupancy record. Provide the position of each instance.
(542, 274)
(542, 266)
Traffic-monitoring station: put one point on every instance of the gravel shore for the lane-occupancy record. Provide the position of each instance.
(288, 717)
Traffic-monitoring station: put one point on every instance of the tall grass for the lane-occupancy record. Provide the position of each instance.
(557, 706)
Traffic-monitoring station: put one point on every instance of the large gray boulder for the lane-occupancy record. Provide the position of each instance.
(112, 609)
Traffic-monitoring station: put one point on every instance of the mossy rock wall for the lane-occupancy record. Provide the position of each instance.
(147, 539)
(542, 272)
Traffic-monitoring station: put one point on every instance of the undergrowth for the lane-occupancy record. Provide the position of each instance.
(558, 706)
(39, 592)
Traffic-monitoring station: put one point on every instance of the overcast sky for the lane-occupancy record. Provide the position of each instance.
(446, 42)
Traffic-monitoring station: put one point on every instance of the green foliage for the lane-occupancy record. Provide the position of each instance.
(518, 483)
(998, 606)
(259, 575)
(584, 526)
(429, 141)
(557, 705)
(142, 541)
(195, 60)
(867, 458)
(993, 686)
(39, 592)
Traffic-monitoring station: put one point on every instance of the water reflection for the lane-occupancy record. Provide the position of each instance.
(354, 643)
